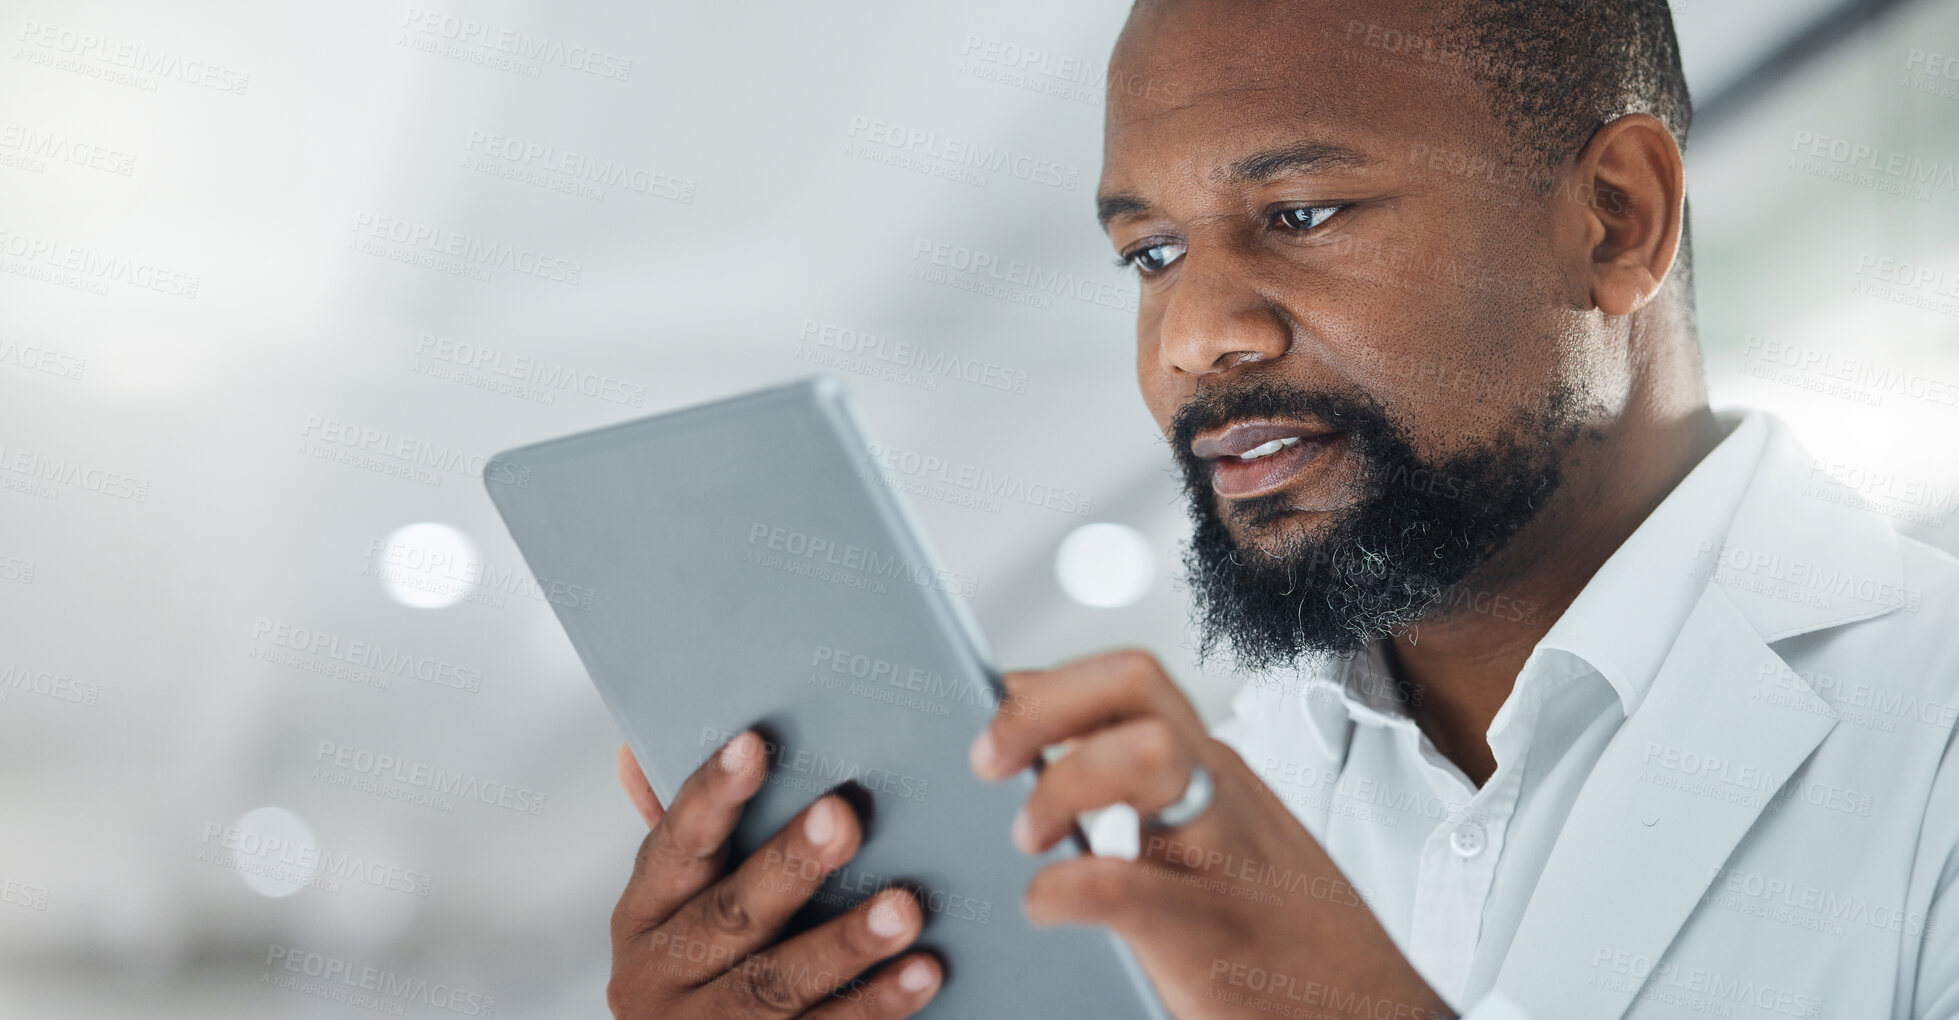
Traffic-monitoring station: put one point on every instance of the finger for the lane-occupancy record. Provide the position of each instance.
(1127, 897)
(806, 970)
(638, 790)
(747, 910)
(686, 852)
(898, 989)
(1141, 762)
(1073, 699)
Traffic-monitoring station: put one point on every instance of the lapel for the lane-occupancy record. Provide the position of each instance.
(1678, 787)
(1698, 757)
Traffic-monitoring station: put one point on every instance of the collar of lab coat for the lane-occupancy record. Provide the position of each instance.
(1804, 552)
(1645, 836)
(1753, 547)
(1629, 613)
(1794, 553)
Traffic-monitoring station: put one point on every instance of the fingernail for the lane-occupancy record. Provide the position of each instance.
(984, 752)
(737, 751)
(820, 825)
(916, 975)
(885, 921)
(1023, 831)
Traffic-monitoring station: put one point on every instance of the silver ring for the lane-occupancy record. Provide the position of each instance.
(1187, 809)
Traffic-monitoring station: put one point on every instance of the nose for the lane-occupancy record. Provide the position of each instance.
(1214, 319)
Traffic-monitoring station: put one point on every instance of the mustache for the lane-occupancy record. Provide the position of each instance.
(1220, 406)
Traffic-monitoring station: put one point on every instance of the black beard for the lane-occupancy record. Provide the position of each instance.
(1414, 531)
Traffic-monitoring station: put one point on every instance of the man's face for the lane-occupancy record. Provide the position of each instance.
(1356, 326)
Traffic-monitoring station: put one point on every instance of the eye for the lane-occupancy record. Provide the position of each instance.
(1152, 257)
(1305, 217)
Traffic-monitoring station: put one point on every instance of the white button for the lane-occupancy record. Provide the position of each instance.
(1467, 840)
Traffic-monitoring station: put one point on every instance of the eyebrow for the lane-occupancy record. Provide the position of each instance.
(1121, 203)
(1301, 158)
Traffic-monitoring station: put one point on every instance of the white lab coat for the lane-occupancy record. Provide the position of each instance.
(1774, 831)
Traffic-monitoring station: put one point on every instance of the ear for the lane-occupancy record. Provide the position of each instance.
(1628, 189)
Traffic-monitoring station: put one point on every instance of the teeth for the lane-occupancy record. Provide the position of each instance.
(1268, 449)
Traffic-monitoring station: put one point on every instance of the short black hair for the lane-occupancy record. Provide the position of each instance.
(1555, 71)
(1558, 70)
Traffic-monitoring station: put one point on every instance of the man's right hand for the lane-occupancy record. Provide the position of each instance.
(691, 939)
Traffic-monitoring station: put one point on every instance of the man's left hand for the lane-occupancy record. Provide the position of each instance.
(1238, 912)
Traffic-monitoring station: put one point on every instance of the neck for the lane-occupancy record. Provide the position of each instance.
(1466, 660)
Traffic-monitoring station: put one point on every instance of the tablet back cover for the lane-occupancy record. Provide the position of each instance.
(743, 563)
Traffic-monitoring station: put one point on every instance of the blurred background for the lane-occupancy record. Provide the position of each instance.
(276, 279)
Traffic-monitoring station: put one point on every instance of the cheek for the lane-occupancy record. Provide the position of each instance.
(1162, 391)
(1456, 347)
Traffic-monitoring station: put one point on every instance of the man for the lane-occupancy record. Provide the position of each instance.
(1605, 708)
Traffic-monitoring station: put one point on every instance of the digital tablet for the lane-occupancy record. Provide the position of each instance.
(749, 565)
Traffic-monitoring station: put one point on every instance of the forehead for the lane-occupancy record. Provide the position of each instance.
(1199, 83)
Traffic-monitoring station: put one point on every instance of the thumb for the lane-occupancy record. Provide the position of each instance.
(638, 790)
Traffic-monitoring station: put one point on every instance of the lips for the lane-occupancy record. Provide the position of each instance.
(1256, 458)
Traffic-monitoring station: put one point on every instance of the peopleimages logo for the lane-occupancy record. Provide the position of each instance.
(988, 488)
(854, 566)
(963, 152)
(450, 251)
(1938, 64)
(124, 63)
(363, 655)
(413, 566)
(911, 360)
(1865, 156)
(1826, 904)
(83, 268)
(1890, 171)
(503, 48)
(15, 678)
(1834, 374)
(25, 147)
(1919, 276)
(1731, 559)
(578, 171)
(368, 987)
(35, 358)
(815, 771)
(525, 376)
(302, 864)
(23, 894)
(43, 475)
(846, 886)
(403, 456)
(1077, 79)
(1078, 70)
(17, 570)
(1709, 992)
(352, 761)
(890, 681)
(1014, 280)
